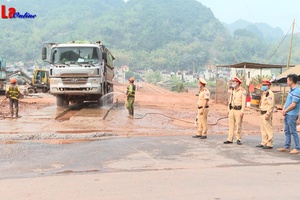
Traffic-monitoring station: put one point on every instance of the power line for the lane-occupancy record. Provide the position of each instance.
(297, 26)
(250, 12)
(279, 44)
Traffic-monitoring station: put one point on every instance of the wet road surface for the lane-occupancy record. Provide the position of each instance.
(173, 167)
(91, 119)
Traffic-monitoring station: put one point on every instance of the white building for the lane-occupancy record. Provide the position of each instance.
(165, 75)
(119, 75)
(188, 77)
(250, 73)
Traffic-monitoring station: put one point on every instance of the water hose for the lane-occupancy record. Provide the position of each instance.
(3, 100)
(178, 118)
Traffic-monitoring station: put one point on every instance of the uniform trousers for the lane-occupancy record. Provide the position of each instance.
(129, 105)
(266, 130)
(235, 120)
(202, 121)
(14, 103)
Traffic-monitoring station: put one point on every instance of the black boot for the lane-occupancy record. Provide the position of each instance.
(17, 112)
(11, 112)
(130, 112)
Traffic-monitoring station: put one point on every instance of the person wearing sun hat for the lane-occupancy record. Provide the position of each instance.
(203, 109)
(267, 104)
(236, 108)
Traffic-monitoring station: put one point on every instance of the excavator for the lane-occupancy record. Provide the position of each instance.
(39, 82)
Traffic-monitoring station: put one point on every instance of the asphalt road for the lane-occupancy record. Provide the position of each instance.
(177, 167)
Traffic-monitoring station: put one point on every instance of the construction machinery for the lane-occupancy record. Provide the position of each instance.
(79, 72)
(39, 82)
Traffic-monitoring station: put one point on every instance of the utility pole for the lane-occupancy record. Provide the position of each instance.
(289, 60)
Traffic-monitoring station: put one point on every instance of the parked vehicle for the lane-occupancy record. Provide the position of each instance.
(79, 72)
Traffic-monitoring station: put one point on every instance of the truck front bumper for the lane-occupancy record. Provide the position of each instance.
(75, 90)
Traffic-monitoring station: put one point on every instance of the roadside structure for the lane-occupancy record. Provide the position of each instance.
(281, 78)
(244, 71)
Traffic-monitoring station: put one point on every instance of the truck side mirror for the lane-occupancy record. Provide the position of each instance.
(44, 53)
(104, 56)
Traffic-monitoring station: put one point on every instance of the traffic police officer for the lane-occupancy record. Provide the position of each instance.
(267, 104)
(203, 109)
(236, 109)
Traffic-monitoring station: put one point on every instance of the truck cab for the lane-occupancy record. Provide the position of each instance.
(79, 72)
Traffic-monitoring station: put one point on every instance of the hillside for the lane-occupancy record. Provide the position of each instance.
(170, 34)
(262, 30)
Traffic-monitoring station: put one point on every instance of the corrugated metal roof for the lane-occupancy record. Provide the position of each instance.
(253, 65)
(282, 77)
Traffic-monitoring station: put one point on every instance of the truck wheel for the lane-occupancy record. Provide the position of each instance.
(59, 101)
(110, 98)
(45, 90)
(66, 103)
(30, 91)
(100, 102)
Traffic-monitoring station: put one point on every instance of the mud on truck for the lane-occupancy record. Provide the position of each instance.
(79, 72)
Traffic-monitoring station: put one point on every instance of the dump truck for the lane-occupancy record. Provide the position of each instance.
(79, 72)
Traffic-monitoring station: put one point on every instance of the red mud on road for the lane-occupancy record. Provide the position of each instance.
(158, 112)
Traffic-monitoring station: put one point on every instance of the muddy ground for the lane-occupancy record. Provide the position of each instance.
(101, 153)
(158, 112)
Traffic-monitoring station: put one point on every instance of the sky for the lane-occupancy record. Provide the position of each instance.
(276, 13)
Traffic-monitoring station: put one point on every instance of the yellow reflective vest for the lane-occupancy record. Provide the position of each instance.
(13, 91)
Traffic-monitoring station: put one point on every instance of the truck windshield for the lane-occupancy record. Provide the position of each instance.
(75, 55)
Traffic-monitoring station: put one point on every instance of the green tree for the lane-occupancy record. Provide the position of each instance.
(129, 74)
(150, 34)
(153, 77)
(180, 87)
